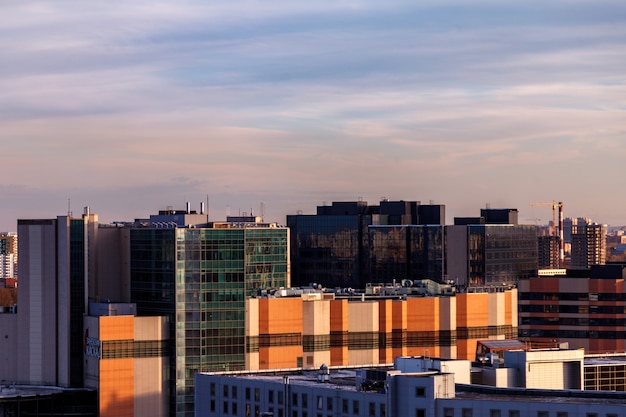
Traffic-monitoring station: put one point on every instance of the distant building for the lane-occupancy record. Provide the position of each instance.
(548, 252)
(589, 246)
(8, 255)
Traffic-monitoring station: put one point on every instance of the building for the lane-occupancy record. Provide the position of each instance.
(548, 252)
(331, 248)
(584, 308)
(199, 277)
(126, 360)
(589, 246)
(544, 383)
(412, 252)
(308, 329)
(54, 268)
(8, 255)
(490, 255)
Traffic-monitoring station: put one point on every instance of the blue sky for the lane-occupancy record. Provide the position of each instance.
(132, 107)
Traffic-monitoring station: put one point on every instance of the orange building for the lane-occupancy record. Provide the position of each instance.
(126, 360)
(316, 329)
(584, 308)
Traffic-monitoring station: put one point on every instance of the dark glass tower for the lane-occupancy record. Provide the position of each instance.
(200, 278)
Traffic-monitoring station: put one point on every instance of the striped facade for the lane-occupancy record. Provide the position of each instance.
(585, 309)
(315, 330)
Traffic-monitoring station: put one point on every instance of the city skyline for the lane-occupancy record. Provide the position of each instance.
(131, 108)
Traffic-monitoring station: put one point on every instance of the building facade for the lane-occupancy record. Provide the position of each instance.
(584, 308)
(126, 361)
(199, 278)
(317, 328)
(589, 246)
(331, 248)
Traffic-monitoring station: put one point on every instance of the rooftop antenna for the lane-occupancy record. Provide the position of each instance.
(262, 211)
(69, 210)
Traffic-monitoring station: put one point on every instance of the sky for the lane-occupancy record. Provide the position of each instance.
(277, 107)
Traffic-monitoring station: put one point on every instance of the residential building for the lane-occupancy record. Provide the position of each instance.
(8, 255)
(589, 246)
(548, 252)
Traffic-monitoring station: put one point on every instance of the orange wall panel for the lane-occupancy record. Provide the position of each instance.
(472, 310)
(280, 315)
(338, 315)
(117, 387)
(117, 328)
(423, 314)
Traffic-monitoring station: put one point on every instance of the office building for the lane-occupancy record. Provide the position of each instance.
(331, 248)
(54, 266)
(412, 252)
(126, 360)
(584, 308)
(308, 329)
(199, 277)
(490, 255)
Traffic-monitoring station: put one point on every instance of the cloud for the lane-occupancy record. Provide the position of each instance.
(302, 102)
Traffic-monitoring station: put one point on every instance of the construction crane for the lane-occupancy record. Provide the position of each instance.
(557, 228)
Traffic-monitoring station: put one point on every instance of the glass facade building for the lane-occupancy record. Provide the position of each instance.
(501, 254)
(329, 249)
(199, 278)
(406, 252)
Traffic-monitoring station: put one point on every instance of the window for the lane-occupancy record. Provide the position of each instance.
(543, 414)
(257, 394)
(320, 402)
(225, 411)
(383, 410)
(225, 391)
(448, 412)
(270, 396)
(233, 391)
(247, 393)
(344, 406)
(514, 413)
(420, 412)
(212, 389)
(294, 399)
(355, 407)
(372, 409)
(329, 403)
(561, 414)
(279, 394)
(212, 406)
(233, 408)
(420, 392)
(467, 412)
(294, 413)
(495, 413)
(305, 401)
